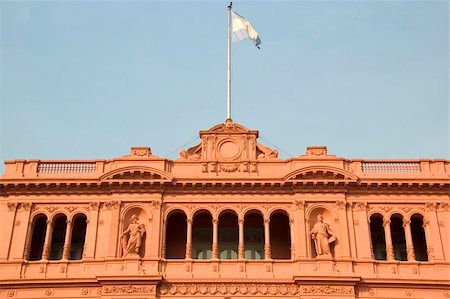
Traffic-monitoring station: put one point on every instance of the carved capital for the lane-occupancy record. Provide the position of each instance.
(360, 206)
(299, 205)
(94, 206)
(340, 204)
(386, 222)
(430, 206)
(12, 206)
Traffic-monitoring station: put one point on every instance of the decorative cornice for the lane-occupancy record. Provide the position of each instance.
(223, 186)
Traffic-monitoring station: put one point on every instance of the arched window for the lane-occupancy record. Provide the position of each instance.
(202, 235)
(58, 237)
(38, 237)
(228, 235)
(176, 235)
(254, 236)
(280, 236)
(78, 237)
(398, 238)
(418, 237)
(378, 237)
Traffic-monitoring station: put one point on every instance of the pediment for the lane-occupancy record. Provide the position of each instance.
(228, 127)
(321, 173)
(137, 173)
(228, 143)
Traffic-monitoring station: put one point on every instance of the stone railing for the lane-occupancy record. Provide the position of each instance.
(66, 167)
(390, 167)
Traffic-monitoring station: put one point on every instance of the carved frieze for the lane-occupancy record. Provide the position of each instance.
(252, 289)
(127, 289)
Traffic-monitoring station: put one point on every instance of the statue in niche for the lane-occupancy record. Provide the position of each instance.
(322, 235)
(132, 237)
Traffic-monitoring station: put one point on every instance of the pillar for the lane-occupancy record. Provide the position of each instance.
(48, 239)
(388, 238)
(241, 240)
(292, 230)
(267, 254)
(215, 243)
(409, 240)
(430, 251)
(67, 240)
(189, 239)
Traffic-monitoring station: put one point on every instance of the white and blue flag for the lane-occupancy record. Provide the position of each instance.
(243, 30)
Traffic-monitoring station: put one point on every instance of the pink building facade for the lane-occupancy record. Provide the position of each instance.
(227, 219)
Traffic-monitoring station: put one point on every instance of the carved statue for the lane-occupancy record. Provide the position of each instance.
(322, 236)
(265, 152)
(132, 237)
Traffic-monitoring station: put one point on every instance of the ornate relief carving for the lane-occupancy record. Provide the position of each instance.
(26, 206)
(51, 209)
(253, 289)
(360, 206)
(265, 153)
(406, 209)
(229, 167)
(444, 206)
(11, 293)
(94, 206)
(141, 152)
(113, 204)
(127, 289)
(340, 204)
(84, 291)
(48, 292)
(12, 206)
(328, 290)
(446, 293)
(386, 209)
(156, 204)
(70, 208)
(316, 151)
(430, 206)
(409, 293)
(299, 205)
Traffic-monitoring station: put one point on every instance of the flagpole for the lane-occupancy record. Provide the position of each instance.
(229, 64)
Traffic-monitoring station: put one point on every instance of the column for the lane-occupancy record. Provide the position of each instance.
(67, 240)
(241, 240)
(215, 243)
(26, 249)
(189, 239)
(430, 251)
(48, 239)
(388, 238)
(292, 229)
(267, 255)
(409, 241)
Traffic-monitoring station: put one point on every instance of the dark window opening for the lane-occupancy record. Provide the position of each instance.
(58, 237)
(419, 240)
(38, 238)
(398, 239)
(228, 236)
(378, 238)
(78, 238)
(280, 236)
(176, 236)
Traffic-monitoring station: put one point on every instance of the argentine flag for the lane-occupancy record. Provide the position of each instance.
(242, 29)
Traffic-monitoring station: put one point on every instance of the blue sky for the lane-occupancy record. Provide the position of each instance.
(86, 80)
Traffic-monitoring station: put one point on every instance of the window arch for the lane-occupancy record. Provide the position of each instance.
(228, 235)
(280, 236)
(254, 236)
(58, 237)
(176, 235)
(78, 237)
(418, 237)
(38, 237)
(202, 236)
(398, 237)
(377, 236)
